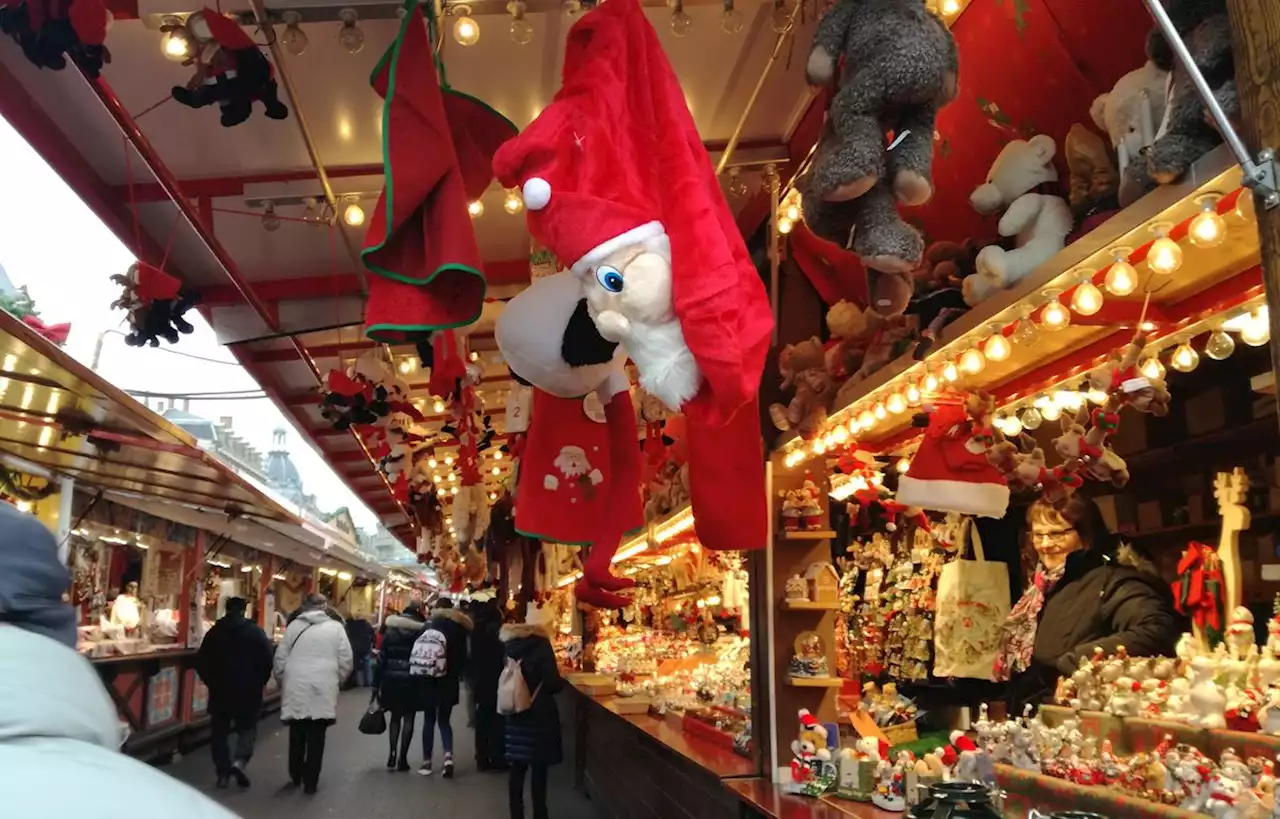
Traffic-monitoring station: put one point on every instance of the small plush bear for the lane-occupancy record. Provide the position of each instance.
(1186, 132)
(803, 367)
(900, 67)
(1040, 222)
(843, 353)
(1129, 113)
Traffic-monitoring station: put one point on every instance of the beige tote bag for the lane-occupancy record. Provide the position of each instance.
(973, 603)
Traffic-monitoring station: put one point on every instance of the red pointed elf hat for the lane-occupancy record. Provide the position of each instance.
(420, 246)
(583, 199)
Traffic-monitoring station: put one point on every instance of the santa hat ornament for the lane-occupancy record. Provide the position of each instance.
(618, 187)
(810, 723)
(962, 743)
(950, 471)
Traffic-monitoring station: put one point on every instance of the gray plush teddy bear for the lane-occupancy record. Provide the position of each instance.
(901, 66)
(1187, 132)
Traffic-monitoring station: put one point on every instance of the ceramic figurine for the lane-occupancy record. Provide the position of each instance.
(890, 791)
(1178, 706)
(1208, 704)
(1086, 686)
(1231, 765)
(1188, 649)
(1267, 669)
(1273, 634)
(1242, 652)
(1269, 716)
(797, 588)
(1108, 766)
(1113, 667)
(792, 502)
(1126, 700)
(1164, 668)
(810, 506)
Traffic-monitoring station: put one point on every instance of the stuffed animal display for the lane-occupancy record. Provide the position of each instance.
(1094, 180)
(900, 67)
(1130, 112)
(50, 32)
(156, 303)
(230, 71)
(1038, 222)
(1186, 131)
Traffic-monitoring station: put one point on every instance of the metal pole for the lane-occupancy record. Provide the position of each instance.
(773, 182)
(1202, 86)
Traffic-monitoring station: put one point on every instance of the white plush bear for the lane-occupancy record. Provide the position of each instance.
(1039, 221)
(1131, 111)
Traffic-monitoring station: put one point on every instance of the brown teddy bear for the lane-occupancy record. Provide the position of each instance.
(844, 353)
(1094, 180)
(803, 367)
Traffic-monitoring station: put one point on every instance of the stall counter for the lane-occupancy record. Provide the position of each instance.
(663, 772)
(762, 799)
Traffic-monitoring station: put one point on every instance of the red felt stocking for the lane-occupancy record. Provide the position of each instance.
(624, 483)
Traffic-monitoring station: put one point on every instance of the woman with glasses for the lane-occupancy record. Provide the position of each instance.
(1087, 591)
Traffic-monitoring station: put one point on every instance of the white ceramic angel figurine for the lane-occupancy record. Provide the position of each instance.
(1208, 703)
(1269, 714)
(1139, 668)
(1164, 668)
(1187, 649)
(1155, 697)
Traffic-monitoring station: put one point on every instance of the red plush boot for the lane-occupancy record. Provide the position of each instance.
(623, 498)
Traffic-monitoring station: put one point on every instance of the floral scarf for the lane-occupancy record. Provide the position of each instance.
(1018, 634)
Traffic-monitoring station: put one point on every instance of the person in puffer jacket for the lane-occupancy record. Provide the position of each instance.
(441, 694)
(60, 735)
(532, 738)
(400, 693)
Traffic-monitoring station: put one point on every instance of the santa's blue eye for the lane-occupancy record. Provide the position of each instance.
(609, 278)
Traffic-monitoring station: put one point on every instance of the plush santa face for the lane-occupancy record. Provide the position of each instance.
(572, 461)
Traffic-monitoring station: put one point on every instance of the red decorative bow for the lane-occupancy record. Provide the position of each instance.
(56, 333)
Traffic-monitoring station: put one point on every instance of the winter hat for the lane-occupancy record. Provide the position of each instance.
(33, 580)
(616, 161)
(962, 743)
(949, 473)
(949, 756)
(810, 723)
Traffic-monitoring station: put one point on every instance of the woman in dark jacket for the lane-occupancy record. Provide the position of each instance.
(1088, 591)
(533, 736)
(482, 676)
(399, 693)
(440, 694)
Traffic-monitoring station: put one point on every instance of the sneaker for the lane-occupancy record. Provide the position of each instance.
(448, 768)
(425, 770)
(238, 774)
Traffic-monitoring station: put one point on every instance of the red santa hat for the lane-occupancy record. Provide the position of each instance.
(961, 742)
(949, 473)
(810, 723)
(225, 31)
(615, 161)
(949, 756)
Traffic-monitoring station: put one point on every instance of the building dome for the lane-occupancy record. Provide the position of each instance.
(282, 474)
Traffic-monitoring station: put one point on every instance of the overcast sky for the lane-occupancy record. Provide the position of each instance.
(52, 242)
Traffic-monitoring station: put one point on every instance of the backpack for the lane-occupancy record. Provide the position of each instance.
(429, 656)
(513, 692)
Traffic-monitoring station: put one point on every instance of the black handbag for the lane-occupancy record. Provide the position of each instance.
(374, 721)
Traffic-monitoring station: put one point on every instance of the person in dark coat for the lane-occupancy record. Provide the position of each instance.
(399, 693)
(1088, 591)
(440, 694)
(482, 677)
(533, 742)
(234, 662)
(360, 635)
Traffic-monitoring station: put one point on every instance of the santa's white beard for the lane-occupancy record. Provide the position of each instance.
(571, 468)
(666, 365)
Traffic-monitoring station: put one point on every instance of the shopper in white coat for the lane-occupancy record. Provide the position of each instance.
(59, 733)
(311, 662)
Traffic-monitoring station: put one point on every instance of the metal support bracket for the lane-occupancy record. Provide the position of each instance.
(1260, 176)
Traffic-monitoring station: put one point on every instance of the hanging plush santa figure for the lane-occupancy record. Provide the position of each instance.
(618, 186)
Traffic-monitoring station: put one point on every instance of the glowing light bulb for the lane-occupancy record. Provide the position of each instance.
(1220, 345)
(879, 412)
(854, 426)
(1054, 316)
(448, 460)
(1257, 330)
(997, 348)
(1096, 397)
(913, 396)
(1031, 418)
(453, 491)
(1025, 333)
(1069, 399)
(785, 225)
(466, 32)
(1087, 299)
(1121, 278)
(431, 463)
(476, 208)
(497, 456)
(681, 22)
(840, 434)
(175, 44)
(896, 404)
(1164, 256)
(1051, 412)
(972, 361)
(792, 212)
(819, 446)
(1208, 228)
(866, 419)
(931, 383)
(1012, 425)
(1185, 358)
(949, 372)
(1152, 369)
(438, 406)
(512, 203)
(497, 470)
(353, 215)
(903, 465)
(453, 477)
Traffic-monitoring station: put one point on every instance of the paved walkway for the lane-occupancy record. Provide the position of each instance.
(356, 783)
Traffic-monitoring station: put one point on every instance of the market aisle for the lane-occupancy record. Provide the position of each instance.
(356, 783)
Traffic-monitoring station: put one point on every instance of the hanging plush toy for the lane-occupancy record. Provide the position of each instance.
(230, 70)
(617, 185)
(156, 303)
(52, 31)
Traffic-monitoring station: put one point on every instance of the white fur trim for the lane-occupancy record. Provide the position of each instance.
(987, 500)
(645, 232)
(536, 193)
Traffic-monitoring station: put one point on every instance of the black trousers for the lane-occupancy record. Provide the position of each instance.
(222, 726)
(537, 786)
(306, 751)
(490, 747)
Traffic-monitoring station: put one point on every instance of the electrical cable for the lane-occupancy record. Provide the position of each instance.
(180, 352)
(201, 396)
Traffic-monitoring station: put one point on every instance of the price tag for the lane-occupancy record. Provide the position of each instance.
(1135, 384)
(519, 404)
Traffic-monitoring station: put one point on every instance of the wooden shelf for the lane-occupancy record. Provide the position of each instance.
(818, 534)
(810, 605)
(814, 682)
